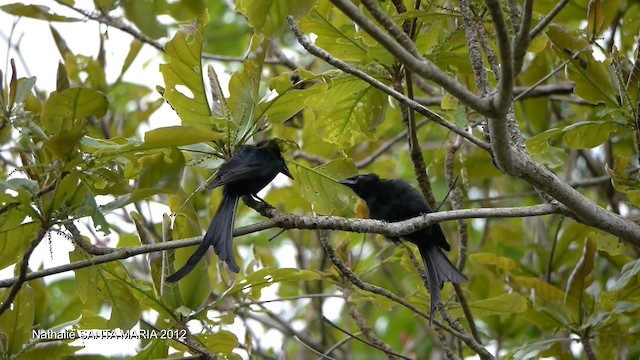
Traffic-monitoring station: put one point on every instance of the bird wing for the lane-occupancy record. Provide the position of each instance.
(236, 173)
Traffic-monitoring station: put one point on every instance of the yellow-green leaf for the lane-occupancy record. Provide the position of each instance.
(62, 108)
(349, 112)
(222, 342)
(268, 16)
(183, 75)
(16, 322)
(500, 305)
(320, 187)
(177, 136)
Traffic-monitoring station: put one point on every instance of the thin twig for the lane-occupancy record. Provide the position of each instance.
(547, 19)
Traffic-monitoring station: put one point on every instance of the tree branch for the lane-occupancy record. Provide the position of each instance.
(547, 19)
(351, 276)
(286, 221)
(420, 66)
(314, 50)
(24, 267)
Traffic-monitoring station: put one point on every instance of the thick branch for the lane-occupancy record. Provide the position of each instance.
(286, 221)
(420, 65)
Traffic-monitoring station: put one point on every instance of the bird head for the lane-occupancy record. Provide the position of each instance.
(362, 184)
(273, 145)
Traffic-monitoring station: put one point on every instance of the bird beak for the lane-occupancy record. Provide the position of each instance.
(286, 172)
(348, 182)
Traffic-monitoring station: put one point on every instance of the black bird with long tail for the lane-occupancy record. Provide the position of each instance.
(246, 173)
(396, 200)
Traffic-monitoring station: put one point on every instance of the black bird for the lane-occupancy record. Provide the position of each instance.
(396, 200)
(246, 173)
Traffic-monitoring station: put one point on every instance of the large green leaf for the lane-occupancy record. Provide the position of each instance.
(160, 173)
(291, 98)
(320, 187)
(268, 16)
(125, 308)
(541, 287)
(14, 241)
(589, 134)
(144, 13)
(349, 112)
(256, 281)
(244, 91)
(222, 342)
(504, 304)
(17, 321)
(183, 75)
(580, 278)
(40, 12)
(62, 108)
(336, 33)
(176, 136)
(196, 287)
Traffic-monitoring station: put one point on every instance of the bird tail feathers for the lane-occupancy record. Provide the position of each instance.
(219, 234)
(439, 270)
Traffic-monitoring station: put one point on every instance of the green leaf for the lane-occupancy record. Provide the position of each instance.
(14, 241)
(125, 308)
(134, 50)
(144, 13)
(348, 113)
(290, 98)
(222, 342)
(626, 277)
(581, 278)
(36, 12)
(16, 322)
(497, 264)
(160, 173)
(244, 89)
(268, 17)
(195, 288)
(336, 33)
(593, 81)
(595, 19)
(503, 304)
(320, 187)
(22, 90)
(603, 318)
(87, 279)
(62, 108)
(176, 136)
(542, 288)
(256, 281)
(610, 244)
(589, 134)
(56, 350)
(533, 350)
(183, 76)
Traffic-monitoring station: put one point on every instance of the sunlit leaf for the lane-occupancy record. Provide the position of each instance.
(268, 16)
(40, 12)
(16, 322)
(62, 108)
(320, 185)
(183, 76)
(222, 342)
(512, 303)
(348, 112)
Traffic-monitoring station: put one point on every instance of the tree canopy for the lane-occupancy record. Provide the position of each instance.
(518, 120)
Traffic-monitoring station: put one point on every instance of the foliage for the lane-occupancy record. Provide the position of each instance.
(84, 151)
